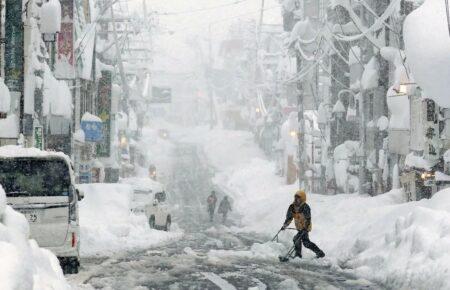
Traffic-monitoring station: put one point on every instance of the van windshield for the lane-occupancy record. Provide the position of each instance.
(34, 177)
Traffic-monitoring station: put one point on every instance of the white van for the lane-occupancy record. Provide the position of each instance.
(41, 186)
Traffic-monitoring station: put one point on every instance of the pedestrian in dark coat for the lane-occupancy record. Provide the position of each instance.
(300, 212)
(211, 202)
(224, 208)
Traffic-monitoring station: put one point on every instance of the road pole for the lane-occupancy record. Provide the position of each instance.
(208, 78)
(362, 145)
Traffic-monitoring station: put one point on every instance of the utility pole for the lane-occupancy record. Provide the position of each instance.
(119, 57)
(301, 130)
(261, 19)
(208, 76)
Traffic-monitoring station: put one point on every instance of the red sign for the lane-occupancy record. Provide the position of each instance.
(65, 59)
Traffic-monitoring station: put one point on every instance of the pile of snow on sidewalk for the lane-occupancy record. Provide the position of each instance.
(383, 239)
(23, 265)
(108, 225)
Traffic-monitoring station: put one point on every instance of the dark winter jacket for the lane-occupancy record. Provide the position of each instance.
(300, 213)
(224, 206)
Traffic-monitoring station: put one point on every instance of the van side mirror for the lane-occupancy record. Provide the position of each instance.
(80, 194)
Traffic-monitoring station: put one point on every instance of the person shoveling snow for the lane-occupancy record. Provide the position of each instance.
(300, 212)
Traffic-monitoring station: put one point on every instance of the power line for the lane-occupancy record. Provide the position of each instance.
(199, 10)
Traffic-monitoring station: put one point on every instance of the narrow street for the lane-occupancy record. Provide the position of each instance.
(185, 264)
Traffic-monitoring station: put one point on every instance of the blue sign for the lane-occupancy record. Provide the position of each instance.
(93, 131)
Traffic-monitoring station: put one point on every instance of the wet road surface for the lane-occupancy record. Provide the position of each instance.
(190, 263)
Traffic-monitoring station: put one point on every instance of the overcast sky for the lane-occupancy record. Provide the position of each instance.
(183, 19)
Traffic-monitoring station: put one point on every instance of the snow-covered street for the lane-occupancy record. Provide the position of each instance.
(208, 255)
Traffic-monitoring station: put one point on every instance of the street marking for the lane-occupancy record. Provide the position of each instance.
(216, 279)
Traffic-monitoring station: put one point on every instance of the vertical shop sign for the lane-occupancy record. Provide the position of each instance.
(14, 51)
(104, 112)
(65, 58)
(38, 139)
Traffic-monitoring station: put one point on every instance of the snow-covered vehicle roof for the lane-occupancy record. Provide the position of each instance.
(143, 184)
(13, 151)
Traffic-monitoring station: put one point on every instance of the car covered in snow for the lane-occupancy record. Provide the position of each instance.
(150, 198)
(41, 186)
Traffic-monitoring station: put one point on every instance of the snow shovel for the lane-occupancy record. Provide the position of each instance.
(289, 254)
(276, 236)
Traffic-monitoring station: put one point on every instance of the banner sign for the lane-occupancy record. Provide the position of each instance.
(104, 112)
(65, 58)
(93, 131)
(161, 95)
(14, 46)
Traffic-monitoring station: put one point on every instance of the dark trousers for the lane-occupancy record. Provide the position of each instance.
(302, 237)
(211, 210)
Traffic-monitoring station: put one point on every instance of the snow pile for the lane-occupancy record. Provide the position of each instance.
(108, 225)
(341, 156)
(427, 45)
(57, 96)
(88, 117)
(9, 127)
(269, 250)
(5, 97)
(402, 245)
(415, 161)
(369, 78)
(51, 17)
(23, 265)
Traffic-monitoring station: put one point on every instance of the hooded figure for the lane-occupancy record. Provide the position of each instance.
(300, 212)
(224, 208)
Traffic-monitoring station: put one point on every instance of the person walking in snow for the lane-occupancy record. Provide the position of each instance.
(224, 208)
(211, 201)
(300, 212)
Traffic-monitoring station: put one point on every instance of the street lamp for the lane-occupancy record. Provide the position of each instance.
(50, 20)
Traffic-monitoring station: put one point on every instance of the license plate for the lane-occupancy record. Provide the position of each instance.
(429, 182)
(31, 215)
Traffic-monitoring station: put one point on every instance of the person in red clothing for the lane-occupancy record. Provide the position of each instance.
(211, 201)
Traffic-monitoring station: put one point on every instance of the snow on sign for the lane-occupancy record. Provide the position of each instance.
(161, 95)
(92, 127)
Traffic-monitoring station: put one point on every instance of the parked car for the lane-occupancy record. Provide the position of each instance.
(150, 198)
(158, 214)
(41, 185)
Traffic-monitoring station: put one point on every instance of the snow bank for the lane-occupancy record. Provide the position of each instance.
(402, 245)
(427, 44)
(108, 225)
(9, 127)
(5, 97)
(23, 265)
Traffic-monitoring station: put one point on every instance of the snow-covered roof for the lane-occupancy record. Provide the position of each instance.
(427, 46)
